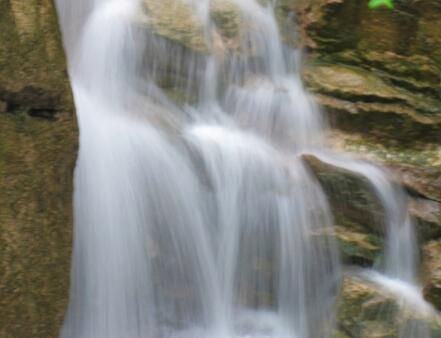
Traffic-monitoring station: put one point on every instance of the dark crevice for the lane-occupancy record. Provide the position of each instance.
(429, 91)
(416, 194)
(354, 98)
(13, 108)
(48, 114)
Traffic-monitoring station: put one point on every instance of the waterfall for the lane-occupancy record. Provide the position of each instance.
(195, 219)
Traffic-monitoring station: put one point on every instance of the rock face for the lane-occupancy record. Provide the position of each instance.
(38, 138)
(358, 214)
(359, 226)
(378, 73)
(432, 272)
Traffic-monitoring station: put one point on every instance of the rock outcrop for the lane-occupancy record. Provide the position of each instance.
(38, 140)
(378, 73)
(357, 211)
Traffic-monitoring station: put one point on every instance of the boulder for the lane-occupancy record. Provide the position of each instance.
(358, 213)
(367, 311)
(417, 168)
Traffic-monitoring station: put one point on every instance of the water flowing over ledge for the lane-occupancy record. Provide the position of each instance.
(198, 219)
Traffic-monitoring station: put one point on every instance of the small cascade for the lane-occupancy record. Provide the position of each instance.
(195, 217)
(397, 275)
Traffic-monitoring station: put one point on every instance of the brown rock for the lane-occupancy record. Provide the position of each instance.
(432, 273)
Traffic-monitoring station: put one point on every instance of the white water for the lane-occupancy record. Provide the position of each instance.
(196, 220)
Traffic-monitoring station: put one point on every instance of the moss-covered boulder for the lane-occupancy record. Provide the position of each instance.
(416, 167)
(38, 138)
(359, 227)
(363, 312)
(367, 311)
(358, 213)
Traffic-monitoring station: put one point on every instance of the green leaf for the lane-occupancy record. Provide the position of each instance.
(374, 4)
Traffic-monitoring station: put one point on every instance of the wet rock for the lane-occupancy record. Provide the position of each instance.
(176, 21)
(416, 167)
(366, 311)
(425, 181)
(363, 312)
(351, 195)
(186, 23)
(356, 245)
(432, 272)
(358, 214)
(226, 17)
(378, 73)
(428, 216)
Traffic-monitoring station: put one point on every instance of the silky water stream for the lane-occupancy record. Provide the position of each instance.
(195, 219)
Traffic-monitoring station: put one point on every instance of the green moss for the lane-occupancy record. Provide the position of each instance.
(226, 16)
(358, 247)
(418, 154)
(36, 161)
(354, 203)
(32, 66)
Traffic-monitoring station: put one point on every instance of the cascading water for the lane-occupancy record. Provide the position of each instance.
(196, 220)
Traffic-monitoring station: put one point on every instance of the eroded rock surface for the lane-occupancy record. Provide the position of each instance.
(378, 74)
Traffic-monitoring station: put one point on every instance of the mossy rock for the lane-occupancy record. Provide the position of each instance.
(366, 311)
(377, 72)
(368, 93)
(38, 141)
(351, 196)
(358, 213)
(176, 21)
(415, 166)
(36, 160)
(32, 65)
